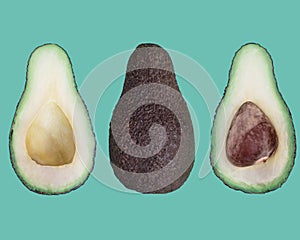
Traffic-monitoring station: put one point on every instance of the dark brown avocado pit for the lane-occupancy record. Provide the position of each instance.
(251, 138)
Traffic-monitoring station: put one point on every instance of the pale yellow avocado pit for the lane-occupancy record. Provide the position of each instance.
(50, 138)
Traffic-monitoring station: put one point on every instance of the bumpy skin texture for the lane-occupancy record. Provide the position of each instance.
(142, 119)
(276, 183)
(11, 148)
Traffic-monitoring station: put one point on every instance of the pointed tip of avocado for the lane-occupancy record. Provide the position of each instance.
(144, 45)
(48, 46)
(252, 47)
(149, 63)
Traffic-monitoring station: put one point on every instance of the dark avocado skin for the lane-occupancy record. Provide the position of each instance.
(142, 119)
(177, 184)
(290, 115)
(12, 154)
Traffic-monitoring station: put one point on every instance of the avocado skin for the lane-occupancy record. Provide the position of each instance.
(11, 151)
(138, 73)
(280, 182)
(176, 184)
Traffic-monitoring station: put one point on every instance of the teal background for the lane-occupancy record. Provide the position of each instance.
(209, 32)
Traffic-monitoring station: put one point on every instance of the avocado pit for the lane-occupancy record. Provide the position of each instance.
(50, 138)
(251, 138)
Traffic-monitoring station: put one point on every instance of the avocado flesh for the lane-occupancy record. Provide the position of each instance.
(52, 143)
(252, 79)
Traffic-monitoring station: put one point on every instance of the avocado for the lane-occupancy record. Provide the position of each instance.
(253, 142)
(151, 138)
(52, 144)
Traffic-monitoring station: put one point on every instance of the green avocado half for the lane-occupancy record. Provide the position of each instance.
(52, 144)
(253, 143)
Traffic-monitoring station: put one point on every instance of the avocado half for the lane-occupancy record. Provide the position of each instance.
(52, 144)
(253, 142)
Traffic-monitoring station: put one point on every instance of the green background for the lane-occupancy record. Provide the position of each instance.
(209, 32)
